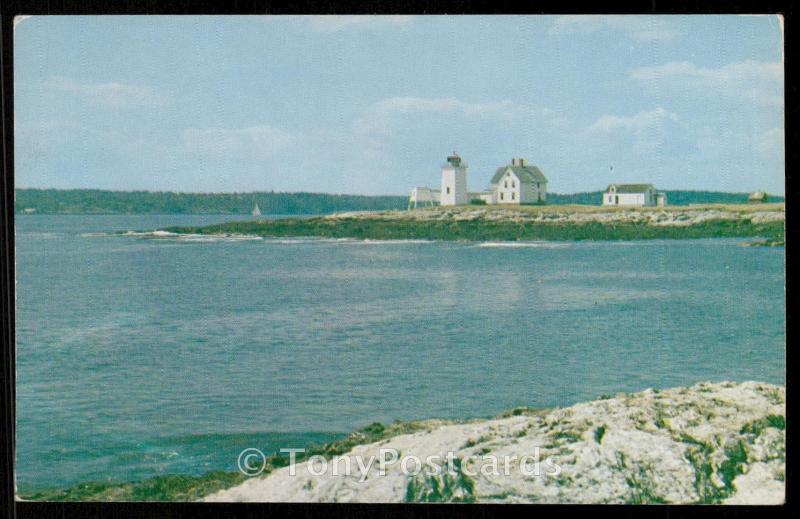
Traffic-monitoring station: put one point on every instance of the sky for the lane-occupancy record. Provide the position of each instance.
(374, 104)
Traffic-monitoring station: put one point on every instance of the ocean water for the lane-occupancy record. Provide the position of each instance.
(147, 354)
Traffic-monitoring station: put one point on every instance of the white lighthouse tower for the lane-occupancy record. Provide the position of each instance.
(454, 181)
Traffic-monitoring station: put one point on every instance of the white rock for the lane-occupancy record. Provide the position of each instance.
(653, 446)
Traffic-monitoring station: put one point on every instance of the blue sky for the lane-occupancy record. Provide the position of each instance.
(374, 104)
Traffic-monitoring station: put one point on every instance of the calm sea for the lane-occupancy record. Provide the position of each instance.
(140, 355)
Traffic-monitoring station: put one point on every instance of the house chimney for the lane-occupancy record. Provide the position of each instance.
(513, 161)
(521, 162)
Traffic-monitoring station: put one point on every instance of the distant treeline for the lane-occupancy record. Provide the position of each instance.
(95, 201)
(673, 198)
(83, 201)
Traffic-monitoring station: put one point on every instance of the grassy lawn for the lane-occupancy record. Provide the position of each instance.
(574, 208)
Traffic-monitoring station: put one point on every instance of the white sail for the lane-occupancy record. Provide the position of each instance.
(256, 211)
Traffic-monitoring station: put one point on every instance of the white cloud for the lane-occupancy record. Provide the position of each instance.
(260, 141)
(407, 116)
(640, 28)
(108, 94)
(379, 116)
(405, 105)
(647, 131)
(639, 122)
(754, 81)
(410, 127)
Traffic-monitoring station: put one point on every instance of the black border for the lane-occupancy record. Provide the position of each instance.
(10, 508)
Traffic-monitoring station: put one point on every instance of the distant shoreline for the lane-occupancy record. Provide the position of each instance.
(548, 223)
(97, 201)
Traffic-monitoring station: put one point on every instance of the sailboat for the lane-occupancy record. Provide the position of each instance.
(256, 211)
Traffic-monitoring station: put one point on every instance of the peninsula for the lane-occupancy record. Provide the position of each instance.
(521, 222)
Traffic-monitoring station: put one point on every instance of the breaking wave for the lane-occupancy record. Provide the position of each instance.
(204, 238)
(522, 244)
(343, 241)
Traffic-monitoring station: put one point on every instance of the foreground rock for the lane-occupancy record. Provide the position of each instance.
(710, 443)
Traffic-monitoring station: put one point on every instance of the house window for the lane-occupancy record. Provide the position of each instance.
(448, 190)
(501, 196)
(513, 184)
(513, 195)
(505, 184)
(616, 200)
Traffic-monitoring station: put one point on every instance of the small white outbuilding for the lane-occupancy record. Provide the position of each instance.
(641, 195)
(423, 196)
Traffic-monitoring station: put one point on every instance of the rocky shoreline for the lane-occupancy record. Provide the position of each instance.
(673, 216)
(525, 223)
(709, 443)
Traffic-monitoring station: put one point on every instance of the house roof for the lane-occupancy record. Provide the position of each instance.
(630, 188)
(757, 195)
(524, 173)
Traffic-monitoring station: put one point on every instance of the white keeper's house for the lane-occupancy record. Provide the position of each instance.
(641, 195)
(519, 183)
(515, 183)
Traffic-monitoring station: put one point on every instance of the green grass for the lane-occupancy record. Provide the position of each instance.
(472, 442)
(736, 457)
(661, 417)
(640, 482)
(756, 428)
(774, 396)
(523, 411)
(599, 433)
(642, 489)
(699, 456)
(378, 228)
(448, 487)
(571, 436)
(161, 488)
